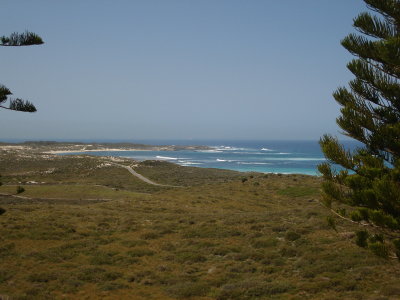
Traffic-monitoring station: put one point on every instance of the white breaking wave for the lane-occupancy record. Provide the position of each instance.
(228, 148)
(166, 157)
(305, 159)
(209, 151)
(266, 149)
(187, 163)
(252, 163)
(251, 153)
(225, 160)
(285, 173)
(296, 158)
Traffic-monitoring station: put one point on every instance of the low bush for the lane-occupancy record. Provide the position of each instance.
(379, 249)
(139, 252)
(42, 277)
(292, 236)
(186, 290)
(362, 238)
(20, 189)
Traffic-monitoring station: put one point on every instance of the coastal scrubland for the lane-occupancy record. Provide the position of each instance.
(82, 227)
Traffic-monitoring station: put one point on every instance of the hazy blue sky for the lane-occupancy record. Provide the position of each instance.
(177, 69)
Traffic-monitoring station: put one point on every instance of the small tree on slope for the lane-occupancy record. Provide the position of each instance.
(14, 40)
(370, 113)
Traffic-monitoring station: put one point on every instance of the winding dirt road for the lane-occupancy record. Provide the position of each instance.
(141, 177)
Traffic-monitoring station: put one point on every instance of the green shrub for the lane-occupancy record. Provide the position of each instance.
(190, 257)
(112, 286)
(139, 252)
(362, 238)
(244, 179)
(42, 277)
(264, 243)
(150, 236)
(20, 189)
(104, 258)
(391, 290)
(292, 236)
(133, 243)
(356, 216)
(376, 238)
(4, 276)
(7, 249)
(331, 222)
(186, 290)
(289, 251)
(396, 244)
(253, 289)
(379, 249)
(97, 275)
(364, 212)
(341, 211)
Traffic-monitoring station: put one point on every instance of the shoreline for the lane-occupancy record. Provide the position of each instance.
(96, 150)
(106, 149)
(71, 147)
(181, 165)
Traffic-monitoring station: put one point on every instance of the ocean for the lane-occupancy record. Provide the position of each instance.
(286, 157)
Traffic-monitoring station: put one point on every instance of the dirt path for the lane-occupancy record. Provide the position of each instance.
(141, 177)
(54, 200)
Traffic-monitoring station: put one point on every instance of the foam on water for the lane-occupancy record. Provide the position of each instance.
(209, 151)
(224, 160)
(166, 157)
(229, 148)
(189, 163)
(301, 157)
(295, 158)
(252, 163)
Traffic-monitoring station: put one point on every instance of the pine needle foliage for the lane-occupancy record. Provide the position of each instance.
(17, 39)
(21, 39)
(369, 177)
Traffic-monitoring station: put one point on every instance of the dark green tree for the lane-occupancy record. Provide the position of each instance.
(369, 177)
(14, 40)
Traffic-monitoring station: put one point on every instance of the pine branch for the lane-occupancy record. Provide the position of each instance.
(4, 92)
(361, 224)
(388, 8)
(21, 39)
(20, 105)
(374, 26)
(370, 113)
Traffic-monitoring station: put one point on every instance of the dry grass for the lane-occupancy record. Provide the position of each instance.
(217, 238)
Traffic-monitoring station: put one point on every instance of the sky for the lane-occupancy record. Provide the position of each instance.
(176, 69)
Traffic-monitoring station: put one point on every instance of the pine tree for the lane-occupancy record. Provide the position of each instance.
(14, 40)
(369, 177)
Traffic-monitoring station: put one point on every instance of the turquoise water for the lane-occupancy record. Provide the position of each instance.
(288, 157)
